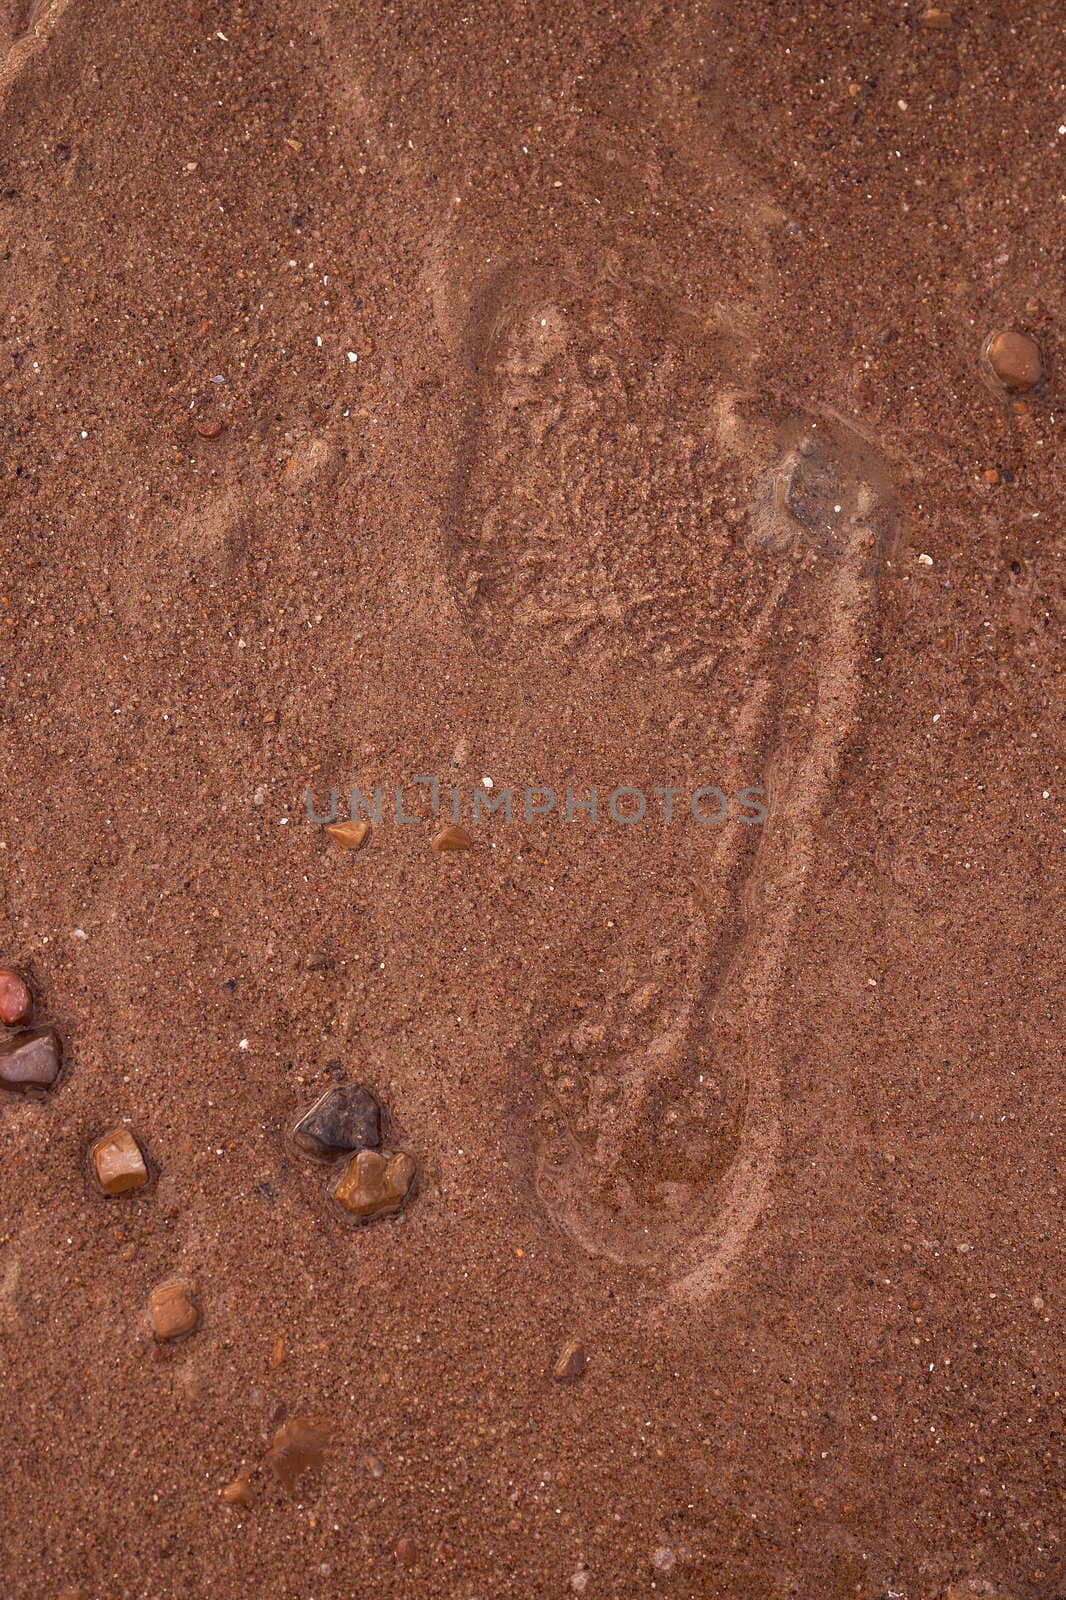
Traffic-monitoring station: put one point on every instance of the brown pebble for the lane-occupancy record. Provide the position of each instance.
(406, 1552)
(239, 1492)
(213, 429)
(991, 476)
(174, 1313)
(298, 1447)
(118, 1162)
(571, 1363)
(349, 835)
(452, 837)
(16, 1001)
(29, 1059)
(375, 1184)
(1015, 360)
(278, 1354)
(933, 17)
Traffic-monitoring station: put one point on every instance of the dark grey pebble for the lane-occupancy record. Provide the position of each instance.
(346, 1118)
(29, 1059)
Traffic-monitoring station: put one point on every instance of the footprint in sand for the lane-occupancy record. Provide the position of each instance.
(626, 496)
(25, 25)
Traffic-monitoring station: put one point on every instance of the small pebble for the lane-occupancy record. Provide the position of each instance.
(375, 1184)
(118, 1162)
(406, 1552)
(298, 1447)
(664, 1559)
(453, 837)
(349, 835)
(1015, 360)
(345, 1118)
(933, 17)
(239, 1492)
(571, 1363)
(211, 430)
(174, 1313)
(16, 1001)
(29, 1059)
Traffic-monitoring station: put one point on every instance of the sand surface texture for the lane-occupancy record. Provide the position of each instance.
(528, 398)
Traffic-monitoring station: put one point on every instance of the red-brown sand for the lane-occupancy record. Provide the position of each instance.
(535, 396)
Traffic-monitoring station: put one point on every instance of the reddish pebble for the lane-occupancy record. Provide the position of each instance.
(119, 1162)
(349, 835)
(16, 1001)
(570, 1364)
(239, 1492)
(452, 838)
(210, 430)
(174, 1314)
(1015, 360)
(406, 1552)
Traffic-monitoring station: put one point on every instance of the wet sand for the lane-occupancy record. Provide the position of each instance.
(528, 399)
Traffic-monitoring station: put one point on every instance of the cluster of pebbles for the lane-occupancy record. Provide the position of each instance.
(344, 1127)
(30, 1057)
(355, 835)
